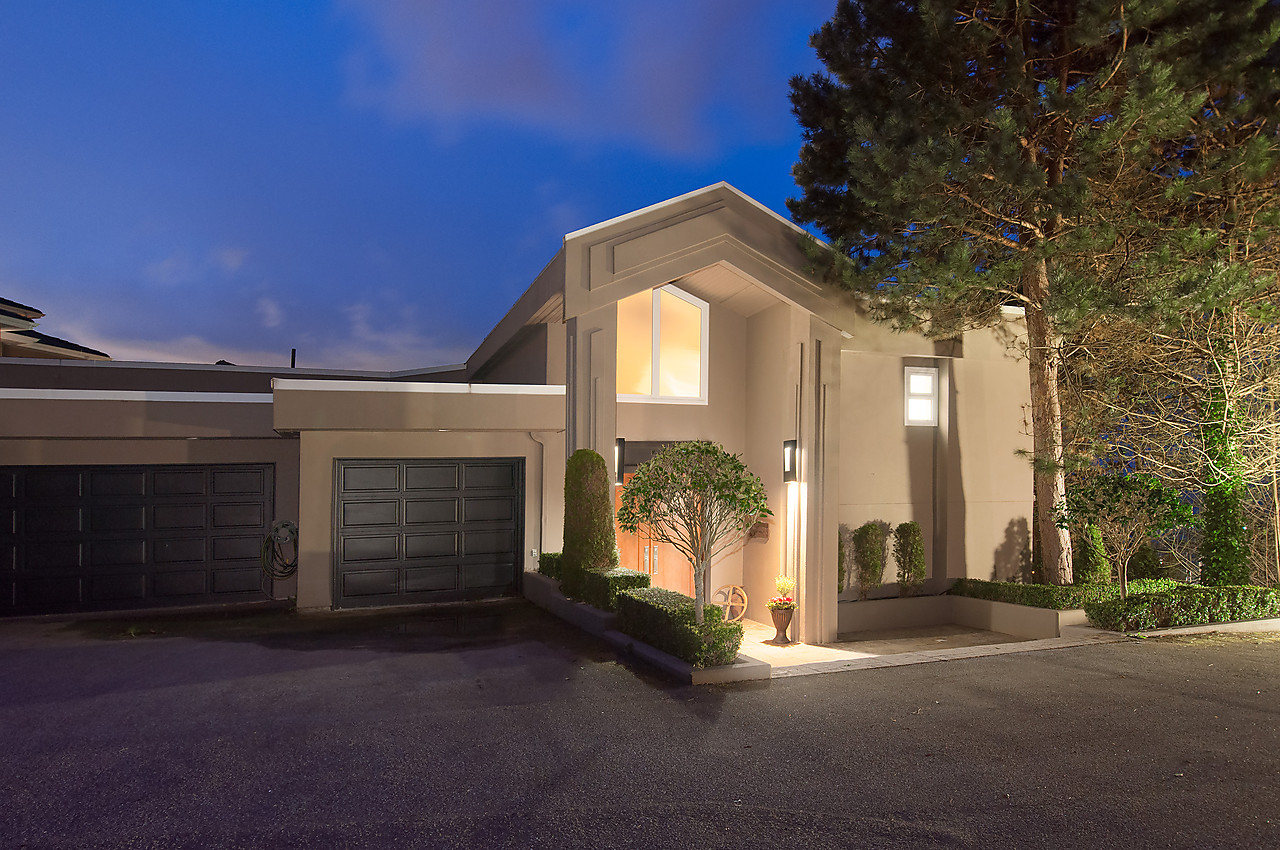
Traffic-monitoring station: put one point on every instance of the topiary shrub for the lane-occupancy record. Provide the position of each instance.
(549, 564)
(590, 539)
(1146, 563)
(665, 620)
(1090, 564)
(1185, 605)
(868, 557)
(600, 588)
(908, 552)
(842, 555)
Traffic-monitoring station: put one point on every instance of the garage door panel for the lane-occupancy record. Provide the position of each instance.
(105, 537)
(430, 579)
(8, 482)
(106, 519)
(114, 484)
(488, 510)
(366, 514)
(359, 583)
(117, 553)
(170, 517)
(53, 520)
(457, 524)
(487, 476)
(179, 483)
(363, 479)
(116, 588)
(424, 511)
(431, 476)
(184, 583)
(238, 515)
(431, 545)
(227, 482)
(54, 485)
(355, 549)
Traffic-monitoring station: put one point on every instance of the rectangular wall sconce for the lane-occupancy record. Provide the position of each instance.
(790, 460)
(619, 458)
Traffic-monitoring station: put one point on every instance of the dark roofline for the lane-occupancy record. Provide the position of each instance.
(21, 308)
(57, 342)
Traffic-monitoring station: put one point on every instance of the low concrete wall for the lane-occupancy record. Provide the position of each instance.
(913, 612)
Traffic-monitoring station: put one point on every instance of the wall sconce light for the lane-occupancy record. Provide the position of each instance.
(619, 458)
(790, 460)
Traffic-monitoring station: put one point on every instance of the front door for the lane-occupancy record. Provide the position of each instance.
(662, 561)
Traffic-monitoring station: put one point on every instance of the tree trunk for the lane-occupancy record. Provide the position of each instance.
(699, 592)
(1046, 425)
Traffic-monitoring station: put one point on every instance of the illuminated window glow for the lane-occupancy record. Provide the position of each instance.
(921, 396)
(666, 327)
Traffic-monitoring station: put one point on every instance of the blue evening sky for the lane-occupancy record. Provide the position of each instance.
(373, 182)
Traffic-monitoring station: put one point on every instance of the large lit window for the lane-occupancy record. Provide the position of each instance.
(922, 395)
(662, 347)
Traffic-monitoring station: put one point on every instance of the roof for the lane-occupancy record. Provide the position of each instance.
(35, 339)
(22, 310)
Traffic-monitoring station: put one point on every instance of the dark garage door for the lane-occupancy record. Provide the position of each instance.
(434, 530)
(95, 538)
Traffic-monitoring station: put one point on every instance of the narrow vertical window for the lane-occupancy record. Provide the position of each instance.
(921, 395)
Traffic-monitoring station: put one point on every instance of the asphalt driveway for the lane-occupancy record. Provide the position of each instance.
(495, 725)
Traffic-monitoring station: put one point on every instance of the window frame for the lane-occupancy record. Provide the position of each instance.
(908, 396)
(655, 350)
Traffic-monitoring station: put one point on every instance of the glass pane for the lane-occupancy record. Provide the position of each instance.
(921, 383)
(920, 410)
(680, 347)
(635, 344)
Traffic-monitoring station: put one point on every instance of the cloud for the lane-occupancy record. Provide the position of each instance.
(171, 271)
(269, 313)
(230, 259)
(681, 77)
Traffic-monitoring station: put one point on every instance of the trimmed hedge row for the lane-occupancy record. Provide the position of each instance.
(1053, 596)
(600, 588)
(1186, 605)
(549, 564)
(665, 620)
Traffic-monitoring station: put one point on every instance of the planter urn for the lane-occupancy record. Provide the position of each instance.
(781, 621)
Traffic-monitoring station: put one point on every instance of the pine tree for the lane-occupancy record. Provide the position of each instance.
(1077, 158)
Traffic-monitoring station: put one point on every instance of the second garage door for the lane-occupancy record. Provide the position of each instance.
(433, 530)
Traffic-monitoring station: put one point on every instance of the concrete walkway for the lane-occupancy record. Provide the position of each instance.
(901, 647)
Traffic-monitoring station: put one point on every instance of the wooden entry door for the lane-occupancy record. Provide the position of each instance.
(662, 561)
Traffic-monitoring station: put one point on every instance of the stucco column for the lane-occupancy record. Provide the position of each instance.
(591, 396)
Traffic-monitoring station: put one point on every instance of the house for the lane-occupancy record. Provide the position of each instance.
(19, 337)
(690, 319)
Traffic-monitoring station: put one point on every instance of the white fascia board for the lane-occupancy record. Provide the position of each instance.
(290, 384)
(133, 395)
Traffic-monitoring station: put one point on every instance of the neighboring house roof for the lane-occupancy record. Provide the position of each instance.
(20, 309)
(54, 345)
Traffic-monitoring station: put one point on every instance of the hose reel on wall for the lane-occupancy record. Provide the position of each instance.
(280, 550)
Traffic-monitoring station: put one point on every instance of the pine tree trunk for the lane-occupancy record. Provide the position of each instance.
(1046, 425)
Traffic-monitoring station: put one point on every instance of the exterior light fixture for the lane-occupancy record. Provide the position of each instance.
(619, 458)
(789, 460)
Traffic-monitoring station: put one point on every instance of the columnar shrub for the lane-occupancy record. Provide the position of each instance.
(868, 557)
(908, 552)
(590, 540)
(1090, 564)
(842, 558)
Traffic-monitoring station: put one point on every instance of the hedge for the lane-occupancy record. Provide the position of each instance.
(1185, 605)
(549, 564)
(1052, 596)
(665, 620)
(600, 588)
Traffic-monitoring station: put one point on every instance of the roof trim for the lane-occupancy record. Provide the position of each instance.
(293, 385)
(134, 395)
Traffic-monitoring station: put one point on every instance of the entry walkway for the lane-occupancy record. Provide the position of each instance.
(899, 647)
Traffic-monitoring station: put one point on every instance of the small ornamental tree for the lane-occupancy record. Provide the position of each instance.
(868, 557)
(908, 552)
(697, 497)
(590, 541)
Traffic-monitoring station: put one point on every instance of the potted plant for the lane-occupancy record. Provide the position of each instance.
(782, 607)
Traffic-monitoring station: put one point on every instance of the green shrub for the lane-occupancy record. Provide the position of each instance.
(1090, 565)
(908, 552)
(1146, 563)
(868, 557)
(1185, 605)
(600, 588)
(590, 541)
(1051, 595)
(665, 620)
(549, 564)
(842, 557)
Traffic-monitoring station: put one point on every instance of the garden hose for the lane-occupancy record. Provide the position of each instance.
(275, 563)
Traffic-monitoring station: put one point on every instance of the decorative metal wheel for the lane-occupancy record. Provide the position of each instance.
(733, 599)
